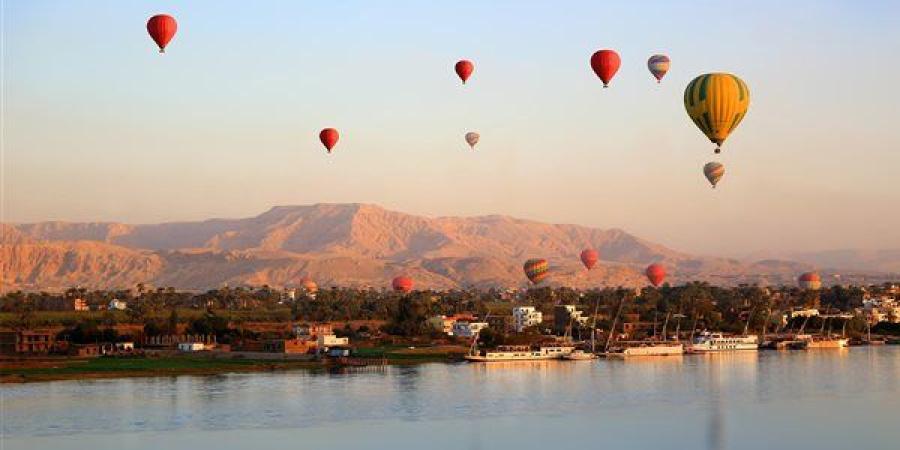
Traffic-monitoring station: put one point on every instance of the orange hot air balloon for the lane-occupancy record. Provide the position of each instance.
(402, 284)
(329, 138)
(536, 269)
(810, 281)
(309, 285)
(162, 29)
(589, 258)
(656, 273)
(464, 69)
(605, 64)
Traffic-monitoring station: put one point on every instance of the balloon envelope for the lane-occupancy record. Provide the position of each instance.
(402, 284)
(658, 65)
(717, 103)
(656, 273)
(162, 29)
(472, 139)
(464, 69)
(605, 64)
(589, 258)
(329, 138)
(713, 172)
(309, 285)
(536, 269)
(810, 280)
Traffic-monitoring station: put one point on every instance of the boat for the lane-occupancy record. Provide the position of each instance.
(823, 341)
(646, 348)
(580, 355)
(709, 342)
(520, 353)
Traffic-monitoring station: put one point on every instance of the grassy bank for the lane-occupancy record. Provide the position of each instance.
(79, 369)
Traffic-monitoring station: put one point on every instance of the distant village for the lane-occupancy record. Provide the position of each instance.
(309, 323)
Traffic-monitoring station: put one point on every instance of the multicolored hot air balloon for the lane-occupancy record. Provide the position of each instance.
(658, 65)
(329, 138)
(810, 281)
(162, 29)
(309, 285)
(536, 269)
(472, 139)
(656, 273)
(402, 284)
(589, 258)
(717, 102)
(605, 64)
(713, 172)
(464, 69)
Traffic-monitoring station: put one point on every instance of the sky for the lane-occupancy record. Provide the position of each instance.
(98, 126)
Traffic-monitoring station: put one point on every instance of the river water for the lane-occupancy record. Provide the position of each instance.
(822, 399)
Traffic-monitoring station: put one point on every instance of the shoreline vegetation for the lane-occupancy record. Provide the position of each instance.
(61, 368)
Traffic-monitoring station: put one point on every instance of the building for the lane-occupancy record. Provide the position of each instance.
(61, 304)
(526, 316)
(117, 305)
(444, 324)
(312, 331)
(804, 312)
(294, 346)
(326, 341)
(84, 351)
(503, 324)
(566, 316)
(468, 329)
(26, 342)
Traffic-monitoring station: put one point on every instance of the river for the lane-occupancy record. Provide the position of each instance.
(817, 399)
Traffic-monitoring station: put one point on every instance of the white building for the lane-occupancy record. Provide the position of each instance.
(468, 329)
(117, 305)
(526, 316)
(191, 346)
(325, 341)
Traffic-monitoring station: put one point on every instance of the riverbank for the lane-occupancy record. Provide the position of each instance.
(61, 368)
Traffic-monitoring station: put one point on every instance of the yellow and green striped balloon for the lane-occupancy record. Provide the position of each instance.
(717, 102)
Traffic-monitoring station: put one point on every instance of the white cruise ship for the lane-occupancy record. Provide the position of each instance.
(521, 353)
(717, 342)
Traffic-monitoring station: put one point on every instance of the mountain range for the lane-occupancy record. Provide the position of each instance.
(358, 245)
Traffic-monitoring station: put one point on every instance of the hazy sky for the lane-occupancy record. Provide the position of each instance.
(98, 126)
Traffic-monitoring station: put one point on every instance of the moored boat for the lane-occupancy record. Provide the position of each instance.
(646, 348)
(709, 342)
(520, 353)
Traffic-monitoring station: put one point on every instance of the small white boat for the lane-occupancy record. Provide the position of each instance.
(647, 348)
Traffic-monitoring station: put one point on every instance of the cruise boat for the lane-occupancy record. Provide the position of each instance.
(520, 353)
(646, 348)
(823, 341)
(717, 342)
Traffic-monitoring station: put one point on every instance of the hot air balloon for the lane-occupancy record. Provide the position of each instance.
(605, 64)
(472, 139)
(589, 258)
(464, 69)
(309, 285)
(658, 65)
(810, 281)
(402, 284)
(656, 273)
(329, 138)
(713, 172)
(717, 102)
(536, 269)
(162, 29)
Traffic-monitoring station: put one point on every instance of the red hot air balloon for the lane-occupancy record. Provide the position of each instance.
(464, 69)
(329, 138)
(162, 29)
(605, 64)
(810, 281)
(656, 273)
(589, 258)
(402, 284)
